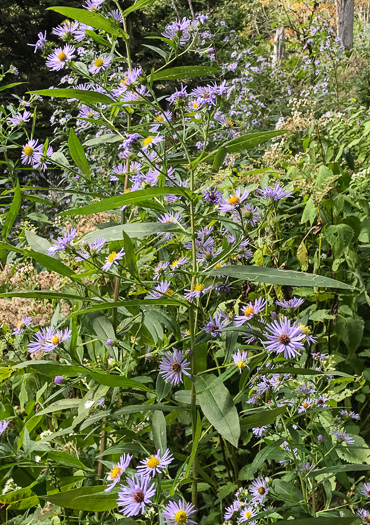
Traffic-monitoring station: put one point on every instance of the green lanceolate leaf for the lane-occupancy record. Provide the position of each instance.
(78, 155)
(320, 521)
(91, 19)
(218, 407)
(262, 418)
(134, 302)
(8, 86)
(140, 4)
(92, 499)
(87, 97)
(12, 212)
(36, 294)
(136, 197)
(159, 431)
(37, 243)
(115, 380)
(262, 456)
(182, 72)
(136, 230)
(281, 277)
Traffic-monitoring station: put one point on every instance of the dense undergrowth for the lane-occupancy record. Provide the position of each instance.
(184, 272)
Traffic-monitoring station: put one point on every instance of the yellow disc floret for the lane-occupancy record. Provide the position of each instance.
(99, 62)
(233, 200)
(111, 257)
(148, 141)
(115, 472)
(62, 56)
(153, 462)
(199, 288)
(181, 517)
(28, 150)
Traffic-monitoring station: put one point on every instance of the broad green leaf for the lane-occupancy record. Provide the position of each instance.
(91, 19)
(182, 72)
(339, 237)
(339, 468)
(250, 140)
(156, 49)
(102, 327)
(358, 452)
(67, 459)
(57, 406)
(310, 212)
(159, 431)
(302, 255)
(350, 330)
(92, 499)
(136, 230)
(140, 4)
(262, 456)
(97, 38)
(194, 447)
(287, 491)
(115, 380)
(87, 97)
(262, 418)
(135, 197)
(261, 274)
(107, 138)
(37, 243)
(12, 212)
(324, 173)
(219, 158)
(52, 368)
(133, 409)
(130, 257)
(218, 407)
(162, 388)
(78, 155)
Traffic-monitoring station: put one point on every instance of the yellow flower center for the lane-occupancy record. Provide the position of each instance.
(28, 150)
(153, 462)
(181, 517)
(305, 405)
(160, 118)
(199, 288)
(249, 310)
(233, 200)
(169, 292)
(304, 329)
(124, 81)
(174, 264)
(127, 190)
(261, 490)
(55, 340)
(248, 514)
(148, 141)
(62, 56)
(229, 123)
(115, 472)
(240, 364)
(99, 62)
(195, 105)
(111, 257)
(218, 265)
(19, 324)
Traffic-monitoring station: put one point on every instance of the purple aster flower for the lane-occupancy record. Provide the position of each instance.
(62, 242)
(129, 77)
(66, 30)
(246, 513)
(259, 489)
(150, 141)
(215, 324)
(276, 193)
(172, 366)
(163, 288)
(58, 380)
(178, 95)
(116, 15)
(197, 291)
(113, 259)
(306, 332)
(178, 30)
(155, 464)
(97, 244)
(169, 218)
(350, 414)
(133, 498)
(319, 356)
(40, 42)
(249, 311)
(343, 436)
(3, 426)
(58, 59)
(250, 214)
(159, 269)
(260, 431)
(58, 337)
(109, 342)
(272, 383)
(31, 152)
(179, 512)
(230, 511)
(119, 468)
(92, 5)
(80, 33)
(320, 438)
(21, 325)
(303, 407)
(41, 340)
(364, 515)
(177, 263)
(19, 119)
(212, 195)
(283, 336)
(294, 302)
(240, 359)
(321, 401)
(43, 162)
(306, 467)
(100, 64)
(233, 201)
(365, 490)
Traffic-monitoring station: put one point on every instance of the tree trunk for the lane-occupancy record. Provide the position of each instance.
(279, 45)
(345, 22)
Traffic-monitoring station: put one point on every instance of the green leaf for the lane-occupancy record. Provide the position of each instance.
(136, 230)
(218, 407)
(182, 72)
(310, 212)
(78, 155)
(319, 521)
(52, 368)
(8, 86)
(159, 431)
(92, 499)
(135, 197)
(194, 447)
(134, 302)
(130, 257)
(260, 274)
(91, 19)
(219, 158)
(358, 452)
(339, 468)
(162, 388)
(66, 459)
(140, 4)
(97, 38)
(87, 97)
(350, 330)
(323, 174)
(250, 140)
(287, 491)
(302, 255)
(116, 380)
(156, 49)
(263, 455)
(262, 418)
(102, 327)
(108, 138)
(37, 243)
(36, 294)
(339, 237)
(12, 212)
